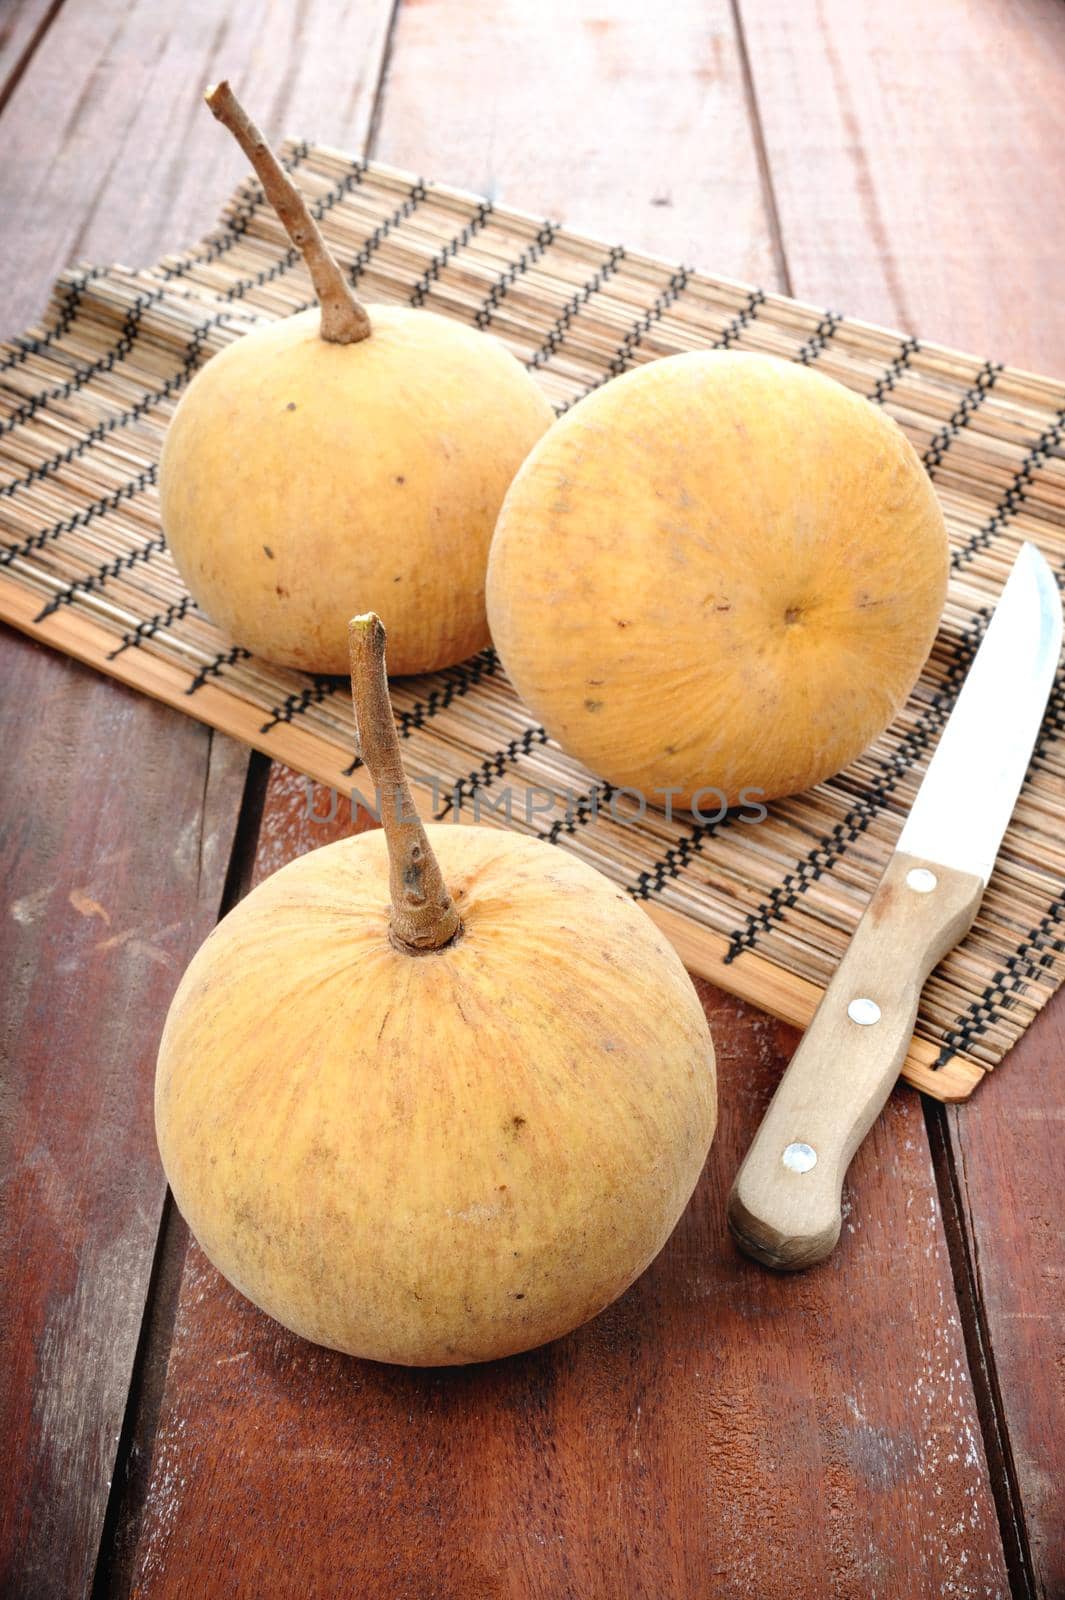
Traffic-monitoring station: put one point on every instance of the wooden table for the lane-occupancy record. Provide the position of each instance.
(891, 1424)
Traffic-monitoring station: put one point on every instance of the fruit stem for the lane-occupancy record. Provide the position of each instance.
(344, 318)
(423, 913)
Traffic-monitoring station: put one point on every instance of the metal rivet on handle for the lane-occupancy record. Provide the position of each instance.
(864, 1010)
(920, 880)
(799, 1157)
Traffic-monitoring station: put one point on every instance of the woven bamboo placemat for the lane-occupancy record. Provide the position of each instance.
(763, 910)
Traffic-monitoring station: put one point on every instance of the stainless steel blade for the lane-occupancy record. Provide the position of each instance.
(974, 777)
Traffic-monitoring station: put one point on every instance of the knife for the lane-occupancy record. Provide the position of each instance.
(785, 1205)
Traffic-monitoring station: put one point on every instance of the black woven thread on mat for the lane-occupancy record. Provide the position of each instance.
(177, 611)
(371, 245)
(818, 342)
(70, 293)
(215, 668)
(971, 401)
(421, 289)
(234, 230)
(491, 768)
(581, 814)
(884, 385)
(81, 375)
(108, 503)
(127, 337)
(673, 862)
(313, 693)
(637, 333)
(889, 773)
(122, 347)
(642, 326)
(122, 419)
(677, 283)
(96, 580)
(460, 680)
(292, 255)
(561, 324)
(1038, 949)
(733, 330)
(1049, 441)
(81, 519)
(512, 272)
(235, 226)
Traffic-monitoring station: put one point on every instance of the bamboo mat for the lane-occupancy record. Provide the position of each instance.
(762, 910)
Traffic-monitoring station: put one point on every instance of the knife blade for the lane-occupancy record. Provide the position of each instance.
(785, 1205)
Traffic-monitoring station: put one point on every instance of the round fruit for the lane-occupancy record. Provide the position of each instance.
(751, 564)
(445, 1130)
(344, 460)
(301, 479)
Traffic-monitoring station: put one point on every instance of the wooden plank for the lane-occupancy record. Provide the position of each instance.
(629, 122)
(721, 1430)
(109, 152)
(108, 887)
(110, 883)
(1006, 1166)
(915, 160)
(23, 24)
(944, 211)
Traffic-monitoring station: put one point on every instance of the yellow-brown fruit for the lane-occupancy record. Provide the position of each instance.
(302, 480)
(750, 562)
(445, 1130)
(345, 459)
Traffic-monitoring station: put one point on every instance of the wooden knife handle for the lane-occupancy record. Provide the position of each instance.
(784, 1209)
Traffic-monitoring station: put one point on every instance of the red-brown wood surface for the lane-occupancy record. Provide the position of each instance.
(626, 120)
(944, 212)
(1006, 1165)
(23, 23)
(912, 151)
(108, 888)
(720, 1431)
(112, 872)
(109, 153)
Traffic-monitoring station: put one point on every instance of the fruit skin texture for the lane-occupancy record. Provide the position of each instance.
(301, 481)
(750, 564)
(442, 1158)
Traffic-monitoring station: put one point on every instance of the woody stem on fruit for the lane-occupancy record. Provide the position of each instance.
(344, 317)
(424, 917)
